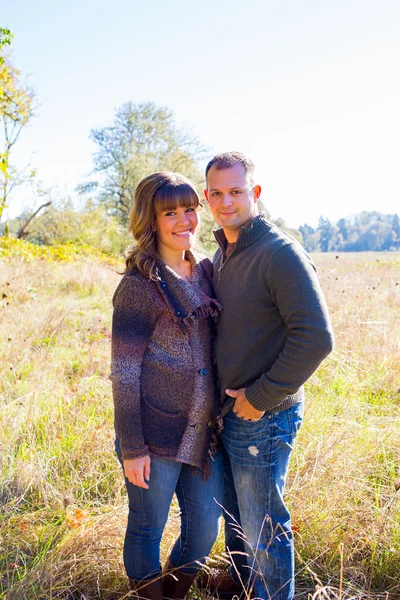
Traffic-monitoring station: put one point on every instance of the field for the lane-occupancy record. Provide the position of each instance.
(62, 503)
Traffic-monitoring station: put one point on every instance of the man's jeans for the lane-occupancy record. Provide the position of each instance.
(148, 514)
(256, 463)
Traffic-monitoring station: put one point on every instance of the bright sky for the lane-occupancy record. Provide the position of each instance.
(309, 89)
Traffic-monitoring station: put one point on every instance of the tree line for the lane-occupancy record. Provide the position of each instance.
(365, 231)
(141, 139)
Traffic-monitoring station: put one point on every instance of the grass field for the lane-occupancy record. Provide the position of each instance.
(62, 502)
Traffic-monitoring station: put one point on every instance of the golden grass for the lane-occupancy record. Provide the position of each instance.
(62, 501)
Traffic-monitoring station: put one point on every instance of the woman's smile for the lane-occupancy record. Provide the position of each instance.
(175, 229)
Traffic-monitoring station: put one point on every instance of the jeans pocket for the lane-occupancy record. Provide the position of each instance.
(246, 421)
(295, 418)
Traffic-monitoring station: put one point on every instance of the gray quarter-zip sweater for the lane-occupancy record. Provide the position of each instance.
(274, 329)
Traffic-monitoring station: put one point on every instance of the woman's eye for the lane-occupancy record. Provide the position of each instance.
(190, 209)
(170, 214)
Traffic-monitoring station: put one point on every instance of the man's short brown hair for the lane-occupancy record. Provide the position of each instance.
(227, 160)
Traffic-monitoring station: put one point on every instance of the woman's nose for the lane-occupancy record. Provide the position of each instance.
(183, 219)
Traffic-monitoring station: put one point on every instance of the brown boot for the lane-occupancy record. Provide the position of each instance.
(218, 582)
(175, 583)
(150, 589)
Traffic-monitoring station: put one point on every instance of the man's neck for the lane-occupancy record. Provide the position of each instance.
(233, 234)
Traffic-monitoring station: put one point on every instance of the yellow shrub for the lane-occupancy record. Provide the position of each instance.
(11, 248)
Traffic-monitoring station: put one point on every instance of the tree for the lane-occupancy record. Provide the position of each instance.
(396, 226)
(143, 139)
(326, 233)
(16, 109)
(310, 238)
(377, 236)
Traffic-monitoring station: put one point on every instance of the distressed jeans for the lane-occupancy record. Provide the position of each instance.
(257, 522)
(148, 514)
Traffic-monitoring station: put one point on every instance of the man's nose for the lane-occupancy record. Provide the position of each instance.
(226, 199)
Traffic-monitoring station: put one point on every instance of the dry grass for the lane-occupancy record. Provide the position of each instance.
(62, 503)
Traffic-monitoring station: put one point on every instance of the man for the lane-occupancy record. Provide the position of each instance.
(273, 333)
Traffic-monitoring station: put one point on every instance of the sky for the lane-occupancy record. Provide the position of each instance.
(309, 89)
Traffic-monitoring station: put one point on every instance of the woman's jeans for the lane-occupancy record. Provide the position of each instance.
(258, 529)
(148, 514)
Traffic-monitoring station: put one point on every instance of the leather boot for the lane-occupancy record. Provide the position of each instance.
(218, 582)
(175, 583)
(150, 589)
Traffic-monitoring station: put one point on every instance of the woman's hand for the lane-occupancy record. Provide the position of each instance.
(137, 470)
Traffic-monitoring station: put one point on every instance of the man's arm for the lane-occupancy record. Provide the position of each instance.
(296, 292)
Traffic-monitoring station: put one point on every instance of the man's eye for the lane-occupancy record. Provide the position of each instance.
(215, 194)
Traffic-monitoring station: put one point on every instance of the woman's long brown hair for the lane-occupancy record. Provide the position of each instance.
(155, 193)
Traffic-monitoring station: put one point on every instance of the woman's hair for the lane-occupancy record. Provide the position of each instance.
(155, 193)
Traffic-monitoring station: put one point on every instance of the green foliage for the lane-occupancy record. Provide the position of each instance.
(93, 226)
(143, 139)
(6, 38)
(15, 112)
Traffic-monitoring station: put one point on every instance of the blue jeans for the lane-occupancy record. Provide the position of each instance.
(148, 514)
(257, 524)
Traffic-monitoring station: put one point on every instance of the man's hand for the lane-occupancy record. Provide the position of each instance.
(242, 407)
(137, 470)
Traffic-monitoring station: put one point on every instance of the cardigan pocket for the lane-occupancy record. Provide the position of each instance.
(162, 429)
(162, 411)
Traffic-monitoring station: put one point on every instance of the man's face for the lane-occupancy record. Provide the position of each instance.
(232, 200)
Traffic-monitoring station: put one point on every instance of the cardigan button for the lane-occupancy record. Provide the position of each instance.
(211, 424)
(203, 371)
(197, 427)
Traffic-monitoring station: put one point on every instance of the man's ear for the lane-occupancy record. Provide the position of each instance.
(206, 195)
(256, 192)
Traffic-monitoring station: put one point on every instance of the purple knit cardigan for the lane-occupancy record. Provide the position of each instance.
(162, 369)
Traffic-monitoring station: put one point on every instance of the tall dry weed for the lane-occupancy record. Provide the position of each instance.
(62, 501)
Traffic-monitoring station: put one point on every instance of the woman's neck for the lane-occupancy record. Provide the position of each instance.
(172, 259)
(177, 262)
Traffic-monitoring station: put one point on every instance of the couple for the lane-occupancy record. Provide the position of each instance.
(175, 432)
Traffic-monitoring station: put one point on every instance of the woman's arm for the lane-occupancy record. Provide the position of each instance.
(134, 318)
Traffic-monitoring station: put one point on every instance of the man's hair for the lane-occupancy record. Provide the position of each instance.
(228, 160)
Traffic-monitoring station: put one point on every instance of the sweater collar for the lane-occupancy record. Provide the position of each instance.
(248, 234)
(186, 300)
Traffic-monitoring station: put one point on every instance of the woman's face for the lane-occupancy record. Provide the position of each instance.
(175, 229)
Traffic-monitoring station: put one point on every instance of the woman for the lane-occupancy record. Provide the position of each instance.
(166, 406)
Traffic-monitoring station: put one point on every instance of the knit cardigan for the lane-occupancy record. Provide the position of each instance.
(162, 369)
